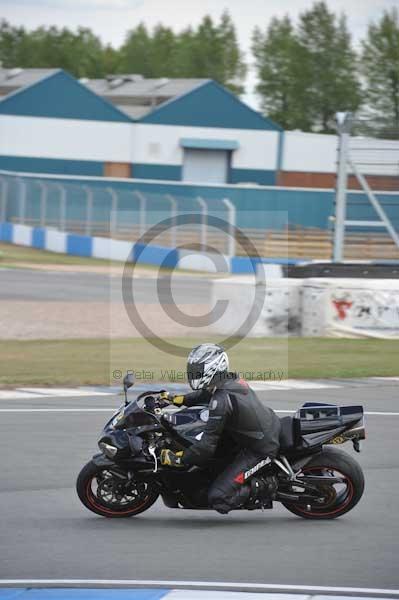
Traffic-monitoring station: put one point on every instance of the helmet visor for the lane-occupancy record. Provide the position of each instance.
(195, 373)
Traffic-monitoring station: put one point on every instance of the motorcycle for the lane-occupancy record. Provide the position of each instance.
(310, 477)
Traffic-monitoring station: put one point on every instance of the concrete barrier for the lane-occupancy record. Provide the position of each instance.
(308, 307)
(350, 308)
(272, 308)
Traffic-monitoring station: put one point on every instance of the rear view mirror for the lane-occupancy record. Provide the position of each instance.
(128, 381)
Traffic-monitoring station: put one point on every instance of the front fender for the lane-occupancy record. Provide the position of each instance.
(102, 461)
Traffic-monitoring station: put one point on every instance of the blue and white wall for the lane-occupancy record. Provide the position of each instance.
(62, 242)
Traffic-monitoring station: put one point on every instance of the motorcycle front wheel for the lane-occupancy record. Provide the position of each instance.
(339, 498)
(105, 494)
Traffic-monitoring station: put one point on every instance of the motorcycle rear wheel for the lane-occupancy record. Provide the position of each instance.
(332, 462)
(105, 495)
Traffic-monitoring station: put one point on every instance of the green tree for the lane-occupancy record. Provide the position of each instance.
(233, 68)
(14, 45)
(211, 50)
(162, 52)
(183, 52)
(331, 65)
(111, 60)
(282, 76)
(135, 55)
(215, 53)
(309, 74)
(80, 53)
(380, 66)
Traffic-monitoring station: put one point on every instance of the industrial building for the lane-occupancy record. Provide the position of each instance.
(201, 132)
(189, 130)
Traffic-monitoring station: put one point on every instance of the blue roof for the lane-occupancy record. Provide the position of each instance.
(60, 96)
(209, 105)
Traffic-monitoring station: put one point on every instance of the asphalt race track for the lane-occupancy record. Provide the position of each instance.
(27, 284)
(46, 533)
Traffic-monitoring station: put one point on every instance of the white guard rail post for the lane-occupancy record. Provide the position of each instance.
(89, 209)
(43, 203)
(173, 212)
(143, 202)
(3, 203)
(22, 200)
(231, 241)
(204, 223)
(113, 218)
(63, 207)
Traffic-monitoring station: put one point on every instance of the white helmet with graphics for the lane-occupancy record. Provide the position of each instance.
(206, 364)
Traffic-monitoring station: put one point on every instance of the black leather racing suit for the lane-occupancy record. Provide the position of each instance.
(235, 412)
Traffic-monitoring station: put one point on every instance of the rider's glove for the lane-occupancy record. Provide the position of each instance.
(171, 459)
(164, 399)
(167, 397)
(177, 400)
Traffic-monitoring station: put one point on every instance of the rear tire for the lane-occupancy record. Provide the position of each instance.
(332, 459)
(95, 483)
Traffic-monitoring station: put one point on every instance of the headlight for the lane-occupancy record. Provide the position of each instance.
(108, 450)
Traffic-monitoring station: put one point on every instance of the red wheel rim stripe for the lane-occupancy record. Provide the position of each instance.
(347, 501)
(90, 498)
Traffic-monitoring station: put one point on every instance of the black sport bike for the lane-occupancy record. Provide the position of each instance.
(310, 477)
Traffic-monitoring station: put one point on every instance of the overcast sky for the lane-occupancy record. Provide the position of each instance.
(110, 19)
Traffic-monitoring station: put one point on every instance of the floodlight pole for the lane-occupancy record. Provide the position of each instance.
(344, 121)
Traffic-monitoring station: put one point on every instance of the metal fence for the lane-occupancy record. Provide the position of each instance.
(127, 214)
(118, 209)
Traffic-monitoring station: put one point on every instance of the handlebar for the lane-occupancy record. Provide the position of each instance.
(151, 403)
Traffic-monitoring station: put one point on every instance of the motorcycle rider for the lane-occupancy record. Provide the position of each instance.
(235, 413)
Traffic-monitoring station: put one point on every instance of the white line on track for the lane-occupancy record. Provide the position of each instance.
(55, 410)
(114, 409)
(200, 585)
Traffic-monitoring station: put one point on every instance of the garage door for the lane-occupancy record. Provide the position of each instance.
(207, 166)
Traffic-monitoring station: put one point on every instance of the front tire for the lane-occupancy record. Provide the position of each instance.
(338, 501)
(108, 496)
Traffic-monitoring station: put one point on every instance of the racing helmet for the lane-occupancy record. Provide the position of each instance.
(206, 364)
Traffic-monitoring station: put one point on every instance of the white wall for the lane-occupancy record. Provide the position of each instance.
(160, 144)
(68, 139)
(309, 152)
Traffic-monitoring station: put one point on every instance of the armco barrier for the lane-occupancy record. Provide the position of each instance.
(109, 249)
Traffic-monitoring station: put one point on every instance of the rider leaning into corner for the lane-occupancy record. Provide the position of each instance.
(236, 416)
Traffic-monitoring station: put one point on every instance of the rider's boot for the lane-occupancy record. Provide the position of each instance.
(263, 490)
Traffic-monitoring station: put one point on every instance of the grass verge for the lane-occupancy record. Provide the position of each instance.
(80, 362)
(12, 255)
